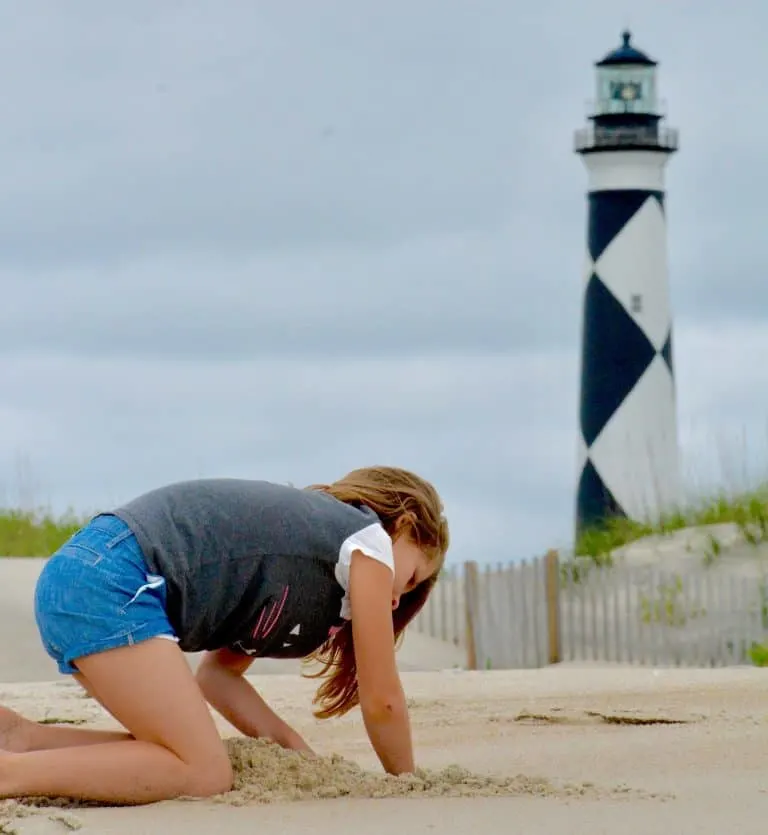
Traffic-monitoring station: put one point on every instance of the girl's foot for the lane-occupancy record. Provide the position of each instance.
(14, 731)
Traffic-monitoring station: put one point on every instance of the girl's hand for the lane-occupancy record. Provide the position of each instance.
(292, 741)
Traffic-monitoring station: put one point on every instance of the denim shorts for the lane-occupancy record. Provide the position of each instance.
(97, 593)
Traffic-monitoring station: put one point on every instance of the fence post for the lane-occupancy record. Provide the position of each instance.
(470, 611)
(553, 606)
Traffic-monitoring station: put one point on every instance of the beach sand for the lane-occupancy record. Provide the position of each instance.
(578, 750)
(563, 749)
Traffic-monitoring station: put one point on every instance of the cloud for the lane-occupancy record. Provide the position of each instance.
(253, 242)
(112, 428)
(723, 403)
(451, 294)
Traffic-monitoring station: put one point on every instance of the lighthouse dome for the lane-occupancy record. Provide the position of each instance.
(626, 54)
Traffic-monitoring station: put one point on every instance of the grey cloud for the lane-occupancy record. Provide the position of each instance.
(262, 137)
(114, 428)
(460, 294)
(251, 241)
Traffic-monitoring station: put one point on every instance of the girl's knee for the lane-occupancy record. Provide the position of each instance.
(214, 777)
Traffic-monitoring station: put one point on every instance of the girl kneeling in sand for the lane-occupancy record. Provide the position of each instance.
(242, 569)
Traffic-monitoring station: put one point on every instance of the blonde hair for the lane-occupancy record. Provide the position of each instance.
(394, 494)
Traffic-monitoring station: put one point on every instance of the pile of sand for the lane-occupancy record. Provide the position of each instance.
(265, 773)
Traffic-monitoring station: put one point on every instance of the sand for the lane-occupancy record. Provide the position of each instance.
(577, 749)
(266, 774)
(585, 750)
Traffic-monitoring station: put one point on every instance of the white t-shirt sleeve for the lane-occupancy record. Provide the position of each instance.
(375, 543)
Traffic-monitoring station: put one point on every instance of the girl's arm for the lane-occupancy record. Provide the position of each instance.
(220, 677)
(382, 700)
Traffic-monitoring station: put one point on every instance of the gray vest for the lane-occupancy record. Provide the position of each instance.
(248, 564)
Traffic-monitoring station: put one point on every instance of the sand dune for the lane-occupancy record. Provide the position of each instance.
(23, 658)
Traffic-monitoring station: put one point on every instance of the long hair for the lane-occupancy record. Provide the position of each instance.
(392, 493)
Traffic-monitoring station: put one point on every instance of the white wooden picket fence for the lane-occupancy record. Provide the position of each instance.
(542, 611)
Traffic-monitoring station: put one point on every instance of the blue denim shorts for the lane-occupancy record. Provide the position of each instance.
(97, 593)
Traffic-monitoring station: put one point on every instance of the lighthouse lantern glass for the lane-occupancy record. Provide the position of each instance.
(626, 89)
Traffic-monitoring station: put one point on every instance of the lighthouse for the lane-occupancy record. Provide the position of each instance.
(628, 444)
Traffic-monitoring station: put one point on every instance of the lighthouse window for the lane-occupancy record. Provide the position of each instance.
(636, 303)
(626, 90)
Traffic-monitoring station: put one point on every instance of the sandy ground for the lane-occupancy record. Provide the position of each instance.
(671, 751)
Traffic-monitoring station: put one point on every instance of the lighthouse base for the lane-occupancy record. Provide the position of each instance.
(632, 468)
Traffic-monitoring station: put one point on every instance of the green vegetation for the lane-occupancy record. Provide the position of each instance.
(749, 511)
(669, 606)
(758, 655)
(34, 533)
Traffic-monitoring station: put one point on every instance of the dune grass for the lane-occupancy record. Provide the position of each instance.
(747, 510)
(26, 533)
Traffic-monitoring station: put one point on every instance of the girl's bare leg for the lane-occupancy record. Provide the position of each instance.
(175, 750)
(18, 734)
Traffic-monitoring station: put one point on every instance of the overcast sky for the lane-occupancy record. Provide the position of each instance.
(281, 240)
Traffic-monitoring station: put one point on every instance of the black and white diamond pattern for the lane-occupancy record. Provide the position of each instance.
(628, 447)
